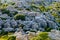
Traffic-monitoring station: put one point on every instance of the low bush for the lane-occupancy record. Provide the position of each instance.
(19, 17)
(5, 11)
(48, 29)
(4, 33)
(41, 36)
(12, 38)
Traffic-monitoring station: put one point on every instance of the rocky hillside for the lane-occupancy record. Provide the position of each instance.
(29, 16)
(22, 17)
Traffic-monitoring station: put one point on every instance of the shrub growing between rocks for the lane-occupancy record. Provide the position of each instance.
(12, 3)
(41, 36)
(3, 32)
(19, 17)
(5, 11)
(48, 29)
(12, 38)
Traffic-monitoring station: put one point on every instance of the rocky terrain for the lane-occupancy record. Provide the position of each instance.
(54, 35)
(29, 16)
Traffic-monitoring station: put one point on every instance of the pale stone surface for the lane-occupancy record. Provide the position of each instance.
(54, 34)
(20, 36)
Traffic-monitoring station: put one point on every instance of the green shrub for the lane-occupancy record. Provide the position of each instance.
(4, 33)
(33, 7)
(5, 11)
(41, 36)
(42, 8)
(19, 17)
(3, 6)
(12, 38)
(48, 29)
(13, 3)
(27, 9)
(3, 37)
(15, 13)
